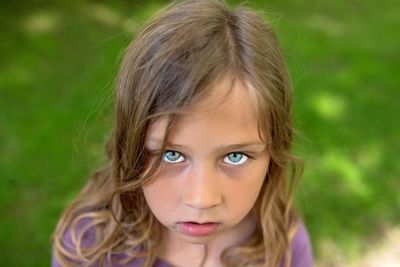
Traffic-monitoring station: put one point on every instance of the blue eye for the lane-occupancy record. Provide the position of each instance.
(171, 156)
(235, 158)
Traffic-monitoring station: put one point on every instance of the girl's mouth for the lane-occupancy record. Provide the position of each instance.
(197, 229)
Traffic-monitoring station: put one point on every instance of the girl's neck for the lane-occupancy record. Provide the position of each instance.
(179, 253)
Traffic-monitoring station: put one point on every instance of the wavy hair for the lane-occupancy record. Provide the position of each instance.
(173, 62)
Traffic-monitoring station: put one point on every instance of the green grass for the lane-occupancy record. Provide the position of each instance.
(57, 69)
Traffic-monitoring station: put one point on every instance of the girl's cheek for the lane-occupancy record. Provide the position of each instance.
(240, 171)
(171, 170)
(254, 171)
(235, 172)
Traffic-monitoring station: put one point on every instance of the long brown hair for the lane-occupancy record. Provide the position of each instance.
(172, 62)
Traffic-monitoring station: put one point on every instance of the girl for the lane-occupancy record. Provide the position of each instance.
(198, 158)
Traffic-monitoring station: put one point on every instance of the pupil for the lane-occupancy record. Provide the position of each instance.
(172, 155)
(235, 157)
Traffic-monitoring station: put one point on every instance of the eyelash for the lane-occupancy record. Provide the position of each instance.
(248, 155)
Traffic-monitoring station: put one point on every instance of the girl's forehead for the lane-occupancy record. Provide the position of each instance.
(225, 108)
(222, 95)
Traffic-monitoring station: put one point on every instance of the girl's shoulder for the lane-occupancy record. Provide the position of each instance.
(301, 247)
(72, 240)
(84, 236)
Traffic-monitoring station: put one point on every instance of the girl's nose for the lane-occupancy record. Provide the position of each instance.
(202, 188)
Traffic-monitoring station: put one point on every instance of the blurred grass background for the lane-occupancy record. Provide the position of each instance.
(57, 69)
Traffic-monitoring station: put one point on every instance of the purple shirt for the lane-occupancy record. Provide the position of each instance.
(301, 250)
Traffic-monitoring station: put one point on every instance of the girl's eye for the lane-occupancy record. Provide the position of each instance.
(235, 158)
(171, 156)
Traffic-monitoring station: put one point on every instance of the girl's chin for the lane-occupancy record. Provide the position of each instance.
(199, 240)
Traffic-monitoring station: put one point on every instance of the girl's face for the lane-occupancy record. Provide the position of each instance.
(213, 168)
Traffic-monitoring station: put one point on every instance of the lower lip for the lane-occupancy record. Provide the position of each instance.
(195, 229)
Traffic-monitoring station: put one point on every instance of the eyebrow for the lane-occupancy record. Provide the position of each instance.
(258, 145)
(255, 145)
